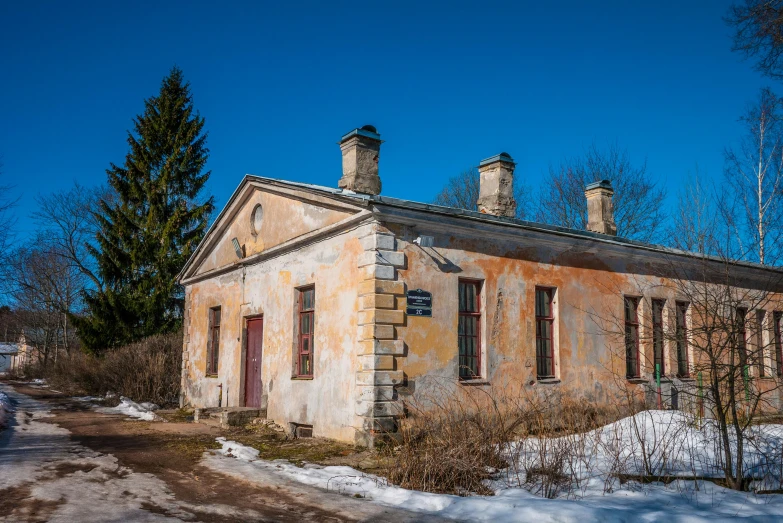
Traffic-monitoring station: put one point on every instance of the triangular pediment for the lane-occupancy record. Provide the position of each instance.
(264, 215)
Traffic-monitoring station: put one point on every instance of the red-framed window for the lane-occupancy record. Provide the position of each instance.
(657, 336)
(760, 342)
(632, 369)
(469, 329)
(304, 364)
(681, 335)
(213, 343)
(545, 342)
(777, 326)
(741, 334)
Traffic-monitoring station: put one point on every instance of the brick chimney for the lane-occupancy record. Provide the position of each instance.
(496, 186)
(361, 151)
(600, 209)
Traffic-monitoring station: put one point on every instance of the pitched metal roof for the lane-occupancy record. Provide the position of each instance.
(502, 221)
(9, 348)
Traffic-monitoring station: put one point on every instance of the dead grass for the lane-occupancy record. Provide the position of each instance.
(453, 438)
(192, 447)
(273, 445)
(176, 415)
(148, 370)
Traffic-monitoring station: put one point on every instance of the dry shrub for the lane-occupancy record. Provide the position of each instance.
(448, 445)
(453, 438)
(148, 370)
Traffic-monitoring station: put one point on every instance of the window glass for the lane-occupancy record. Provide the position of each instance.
(469, 329)
(545, 356)
(304, 362)
(631, 338)
(657, 321)
(683, 370)
(213, 343)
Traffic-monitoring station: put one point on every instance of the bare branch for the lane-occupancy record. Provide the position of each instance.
(638, 202)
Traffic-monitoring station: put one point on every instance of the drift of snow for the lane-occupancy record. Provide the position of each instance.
(87, 399)
(235, 450)
(676, 445)
(143, 411)
(654, 443)
(6, 410)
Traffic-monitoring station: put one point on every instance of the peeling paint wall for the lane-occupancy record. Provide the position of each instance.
(327, 401)
(368, 352)
(283, 219)
(589, 282)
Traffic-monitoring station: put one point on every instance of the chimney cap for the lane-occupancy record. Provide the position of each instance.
(502, 157)
(368, 131)
(601, 184)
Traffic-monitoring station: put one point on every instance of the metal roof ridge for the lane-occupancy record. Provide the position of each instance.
(502, 220)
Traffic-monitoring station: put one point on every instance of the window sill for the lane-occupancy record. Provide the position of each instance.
(637, 380)
(302, 378)
(211, 376)
(686, 379)
(476, 381)
(547, 381)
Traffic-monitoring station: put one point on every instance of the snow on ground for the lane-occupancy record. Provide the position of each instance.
(40, 463)
(6, 409)
(38, 460)
(142, 411)
(680, 501)
(656, 443)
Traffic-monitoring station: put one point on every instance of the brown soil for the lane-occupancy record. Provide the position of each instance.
(18, 504)
(171, 451)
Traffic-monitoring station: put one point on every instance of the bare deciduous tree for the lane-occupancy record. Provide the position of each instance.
(712, 347)
(462, 192)
(694, 217)
(754, 170)
(638, 201)
(45, 290)
(758, 26)
(68, 218)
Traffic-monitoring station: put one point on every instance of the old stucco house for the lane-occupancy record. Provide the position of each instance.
(319, 304)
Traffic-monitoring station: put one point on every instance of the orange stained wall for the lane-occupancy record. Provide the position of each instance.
(284, 218)
(327, 401)
(589, 309)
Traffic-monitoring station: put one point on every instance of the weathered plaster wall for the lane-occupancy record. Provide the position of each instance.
(327, 401)
(368, 352)
(284, 218)
(590, 283)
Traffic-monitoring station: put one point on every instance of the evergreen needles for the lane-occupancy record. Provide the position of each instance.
(152, 225)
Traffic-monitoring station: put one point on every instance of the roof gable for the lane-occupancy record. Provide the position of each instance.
(262, 215)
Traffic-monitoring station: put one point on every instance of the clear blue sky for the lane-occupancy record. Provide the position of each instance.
(446, 84)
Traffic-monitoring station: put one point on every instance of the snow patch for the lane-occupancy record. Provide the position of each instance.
(680, 501)
(233, 449)
(6, 410)
(128, 407)
(656, 443)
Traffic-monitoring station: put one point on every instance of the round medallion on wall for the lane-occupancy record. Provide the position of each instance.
(256, 219)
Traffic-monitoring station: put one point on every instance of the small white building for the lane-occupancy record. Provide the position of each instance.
(14, 356)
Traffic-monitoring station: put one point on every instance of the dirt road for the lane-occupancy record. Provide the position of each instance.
(62, 461)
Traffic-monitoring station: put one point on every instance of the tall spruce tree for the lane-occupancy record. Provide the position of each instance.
(153, 225)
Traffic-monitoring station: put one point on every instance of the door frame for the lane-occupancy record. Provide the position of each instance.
(243, 366)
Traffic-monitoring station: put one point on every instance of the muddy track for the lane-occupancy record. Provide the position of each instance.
(171, 452)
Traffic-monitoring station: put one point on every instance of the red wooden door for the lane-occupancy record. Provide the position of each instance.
(255, 337)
